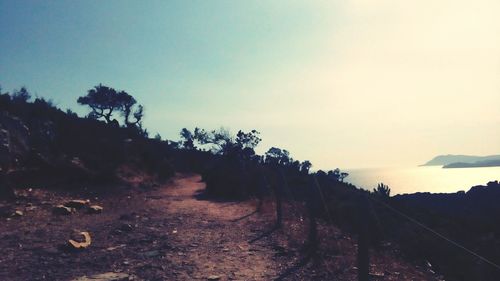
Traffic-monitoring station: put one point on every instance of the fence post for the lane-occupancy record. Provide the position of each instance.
(279, 208)
(480, 271)
(261, 189)
(311, 203)
(363, 241)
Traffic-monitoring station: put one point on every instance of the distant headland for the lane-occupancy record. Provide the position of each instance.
(464, 161)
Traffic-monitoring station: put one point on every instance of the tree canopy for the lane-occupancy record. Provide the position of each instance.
(278, 156)
(221, 141)
(105, 101)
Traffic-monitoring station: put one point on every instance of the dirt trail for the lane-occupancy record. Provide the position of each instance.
(215, 235)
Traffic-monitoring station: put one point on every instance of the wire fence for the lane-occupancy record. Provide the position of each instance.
(363, 262)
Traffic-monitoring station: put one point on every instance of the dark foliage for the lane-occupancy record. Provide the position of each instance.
(65, 146)
(104, 101)
(383, 191)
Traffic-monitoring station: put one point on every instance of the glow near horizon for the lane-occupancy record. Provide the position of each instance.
(343, 84)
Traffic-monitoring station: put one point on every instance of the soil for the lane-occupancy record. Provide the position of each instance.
(173, 231)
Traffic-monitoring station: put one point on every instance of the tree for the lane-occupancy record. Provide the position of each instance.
(305, 166)
(220, 140)
(21, 95)
(382, 191)
(278, 156)
(4, 100)
(104, 101)
(248, 140)
(337, 175)
(187, 139)
(128, 102)
(343, 175)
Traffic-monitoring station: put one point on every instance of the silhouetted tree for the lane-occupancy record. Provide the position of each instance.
(305, 166)
(248, 140)
(187, 139)
(128, 103)
(220, 140)
(21, 95)
(104, 101)
(382, 190)
(278, 156)
(343, 175)
(246, 143)
(4, 100)
(337, 175)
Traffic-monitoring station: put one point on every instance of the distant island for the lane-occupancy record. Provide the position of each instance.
(488, 163)
(464, 161)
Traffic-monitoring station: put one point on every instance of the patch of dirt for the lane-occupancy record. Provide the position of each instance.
(173, 232)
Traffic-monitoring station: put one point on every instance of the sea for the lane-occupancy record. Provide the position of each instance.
(433, 179)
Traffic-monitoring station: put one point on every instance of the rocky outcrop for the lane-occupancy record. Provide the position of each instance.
(14, 142)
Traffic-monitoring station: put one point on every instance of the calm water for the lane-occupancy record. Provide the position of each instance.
(423, 179)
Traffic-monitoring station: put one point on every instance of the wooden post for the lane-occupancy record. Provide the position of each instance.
(312, 207)
(480, 273)
(363, 241)
(279, 210)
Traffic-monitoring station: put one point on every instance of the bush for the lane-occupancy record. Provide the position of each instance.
(231, 178)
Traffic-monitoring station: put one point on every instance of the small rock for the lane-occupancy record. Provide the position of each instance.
(95, 209)
(81, 245)
(213, 277)
(18, 213)
(62, 210)
(108, 276)
(377, 274)
(77, 204)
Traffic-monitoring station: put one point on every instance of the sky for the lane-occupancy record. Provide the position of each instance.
(348, 84)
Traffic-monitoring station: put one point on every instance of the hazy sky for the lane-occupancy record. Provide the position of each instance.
(342, 83)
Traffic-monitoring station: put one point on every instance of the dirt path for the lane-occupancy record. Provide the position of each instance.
(167, 232)
(214, 236)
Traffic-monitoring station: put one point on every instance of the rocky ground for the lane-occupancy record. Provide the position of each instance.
(173, 232)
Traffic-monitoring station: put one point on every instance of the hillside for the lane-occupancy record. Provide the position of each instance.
(162, 204)
(477, 164)
(443, 160)
(43, 145)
